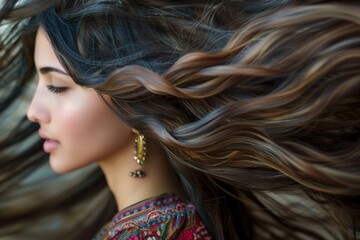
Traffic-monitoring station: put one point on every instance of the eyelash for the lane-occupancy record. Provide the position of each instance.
(56, 90)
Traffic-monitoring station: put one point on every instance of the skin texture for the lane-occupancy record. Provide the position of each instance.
(81, 127)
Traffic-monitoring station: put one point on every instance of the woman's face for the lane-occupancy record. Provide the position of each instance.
(76, 124)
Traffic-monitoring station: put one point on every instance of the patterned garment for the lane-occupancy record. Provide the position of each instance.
(162, 217)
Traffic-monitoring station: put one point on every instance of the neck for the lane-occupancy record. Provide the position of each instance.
(159, 176)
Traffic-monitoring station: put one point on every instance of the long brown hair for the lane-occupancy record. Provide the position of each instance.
(259, 112)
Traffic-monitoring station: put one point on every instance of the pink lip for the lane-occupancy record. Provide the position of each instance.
(49, 144)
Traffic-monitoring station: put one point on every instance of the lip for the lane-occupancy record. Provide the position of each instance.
(49, 144)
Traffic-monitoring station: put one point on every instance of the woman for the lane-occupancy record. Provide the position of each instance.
(202, 115)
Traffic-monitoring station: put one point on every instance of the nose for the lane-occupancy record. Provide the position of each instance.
(38, 110)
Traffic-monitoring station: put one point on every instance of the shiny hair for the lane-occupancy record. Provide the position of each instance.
(257, 108)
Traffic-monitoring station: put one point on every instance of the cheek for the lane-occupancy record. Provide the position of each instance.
(92, 132)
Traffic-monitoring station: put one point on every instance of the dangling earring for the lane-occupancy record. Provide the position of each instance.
(139, 154)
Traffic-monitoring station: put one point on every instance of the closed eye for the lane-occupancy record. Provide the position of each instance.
(56, 90)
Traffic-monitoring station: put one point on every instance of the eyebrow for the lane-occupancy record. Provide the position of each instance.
(45, 70)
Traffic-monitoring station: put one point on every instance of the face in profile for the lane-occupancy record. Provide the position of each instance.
(77, 126)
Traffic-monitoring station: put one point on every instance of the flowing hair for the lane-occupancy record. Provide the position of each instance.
(257, 105)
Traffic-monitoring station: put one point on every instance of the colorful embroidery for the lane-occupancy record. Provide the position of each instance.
(163, 217)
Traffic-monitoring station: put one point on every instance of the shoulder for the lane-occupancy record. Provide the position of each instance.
(169, 218)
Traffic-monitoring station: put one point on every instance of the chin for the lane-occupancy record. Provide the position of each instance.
(60, 170)
(60, 167)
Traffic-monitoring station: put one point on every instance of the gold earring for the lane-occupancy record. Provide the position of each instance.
(139, 154)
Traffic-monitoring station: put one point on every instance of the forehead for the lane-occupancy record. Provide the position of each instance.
(44, 54)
